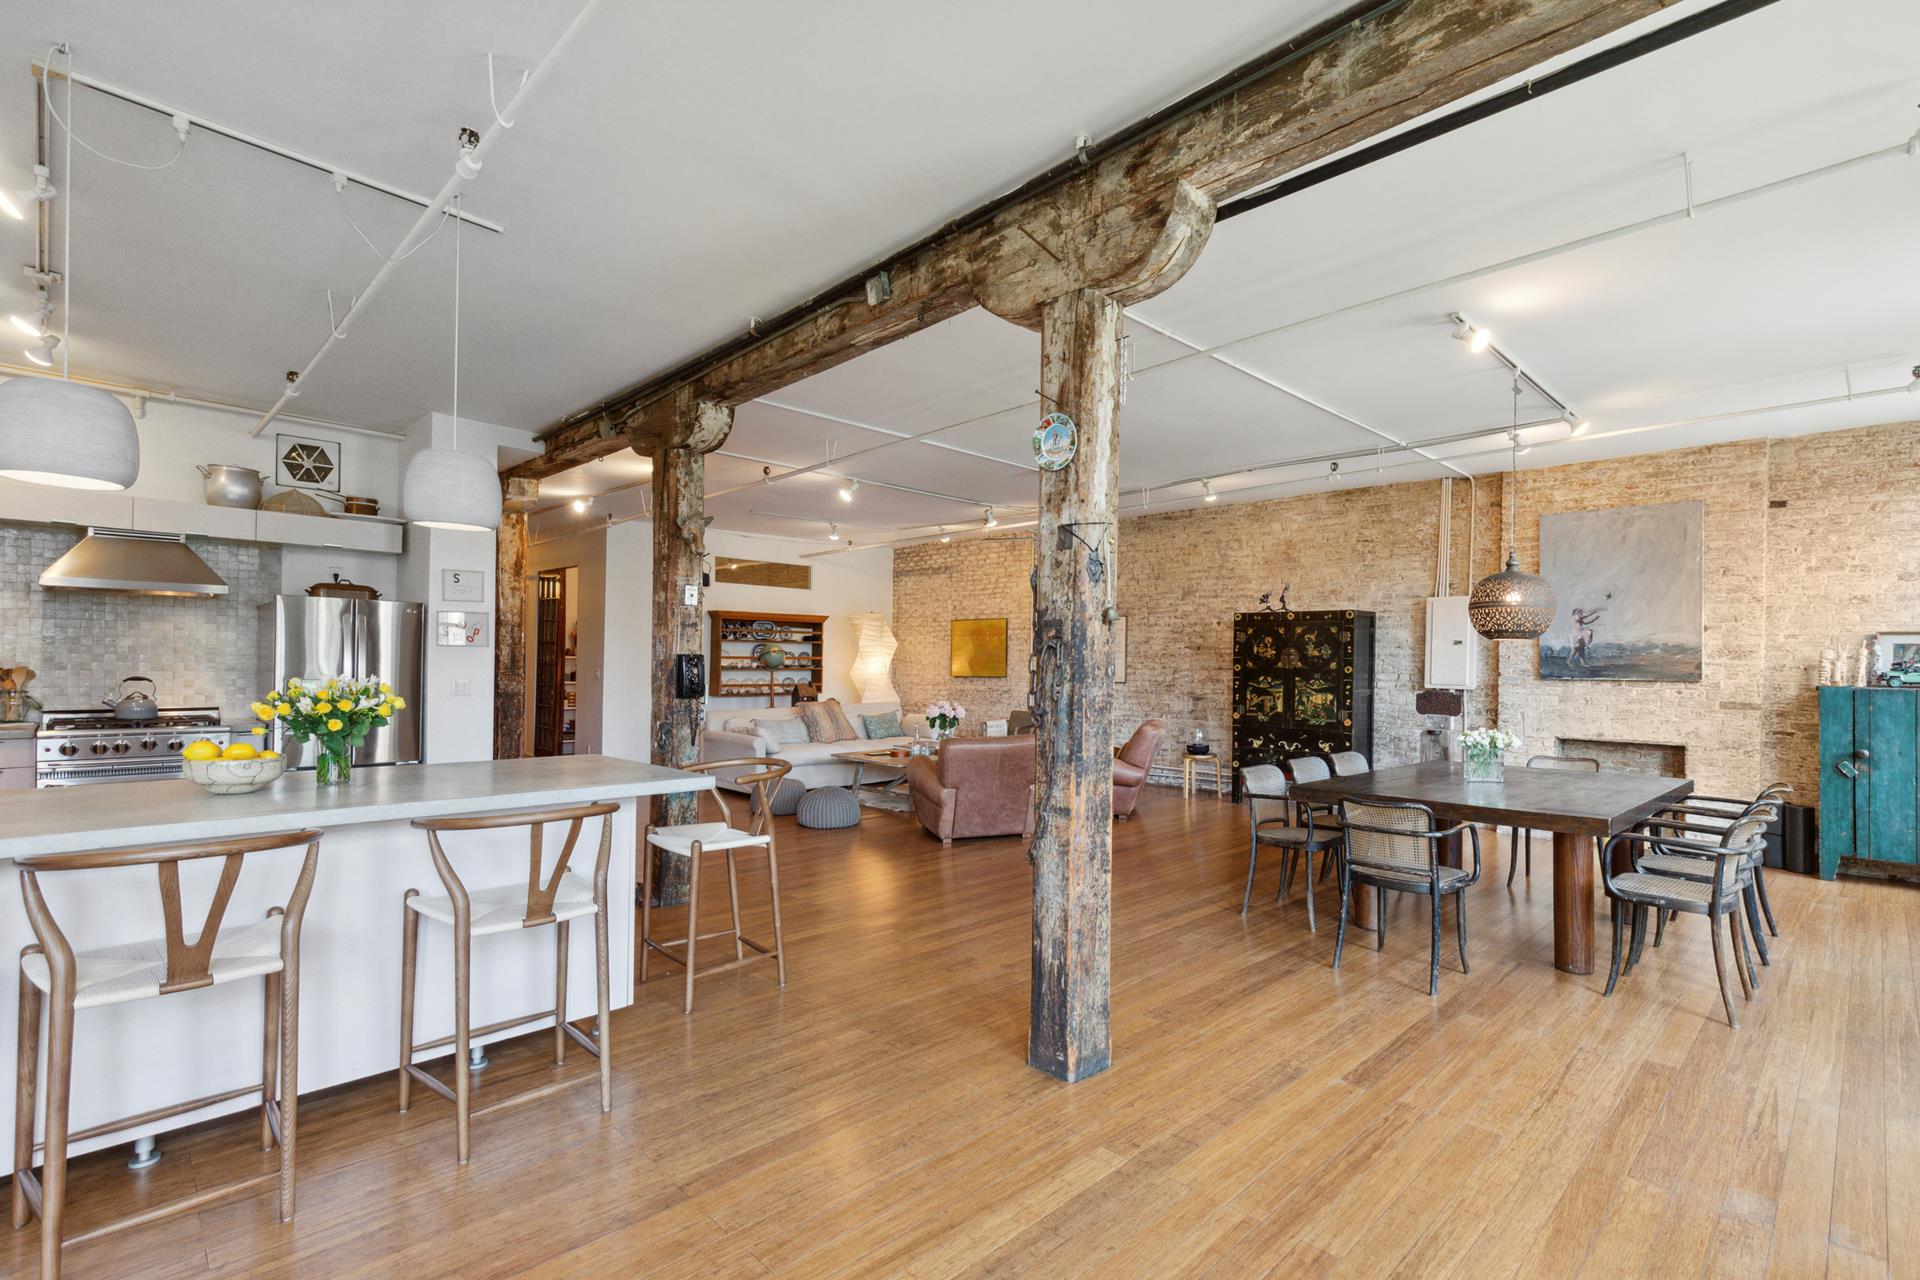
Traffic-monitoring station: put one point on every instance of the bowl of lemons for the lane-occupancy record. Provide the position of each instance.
(232, 770)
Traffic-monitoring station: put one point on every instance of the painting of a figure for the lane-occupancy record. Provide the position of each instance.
(1628, 590)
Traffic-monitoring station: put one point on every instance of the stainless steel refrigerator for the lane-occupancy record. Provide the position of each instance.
(317, 638)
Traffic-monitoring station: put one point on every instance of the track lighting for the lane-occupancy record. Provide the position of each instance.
(1480, 341)
(1333, 473)
(833, 532)
(41, 355)
(1476, 338)
(947, 537)
(1206, 487)
(580, 505)
(43, 188)
(1580, 428)
(848, 490)
(987, 520)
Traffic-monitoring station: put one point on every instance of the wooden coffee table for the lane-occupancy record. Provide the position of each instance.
(886, 792)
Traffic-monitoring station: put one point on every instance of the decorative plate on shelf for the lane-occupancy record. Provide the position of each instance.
(762, 629)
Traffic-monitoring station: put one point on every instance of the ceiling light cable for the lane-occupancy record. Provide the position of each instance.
(181, 125)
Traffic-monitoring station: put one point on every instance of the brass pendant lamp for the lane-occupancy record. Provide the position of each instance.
(1511, 604)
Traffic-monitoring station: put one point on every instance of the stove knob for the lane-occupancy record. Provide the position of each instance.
(174, 744)
(69, 749)
(148, 744)
(98, 748)
(121, 748)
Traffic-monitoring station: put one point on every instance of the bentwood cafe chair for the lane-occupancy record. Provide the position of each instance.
(58, 980)
(1397, 846)
(557, 898)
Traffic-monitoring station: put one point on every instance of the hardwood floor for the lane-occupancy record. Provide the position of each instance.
(1265, 1115)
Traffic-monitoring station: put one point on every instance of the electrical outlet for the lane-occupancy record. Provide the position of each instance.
(336, 571)
(463, 688)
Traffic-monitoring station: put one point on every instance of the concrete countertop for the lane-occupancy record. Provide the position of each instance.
(108, 815)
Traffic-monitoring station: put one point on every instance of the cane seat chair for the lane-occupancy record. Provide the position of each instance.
(693, 841)
(1708, 816)
(59, 980)
(1397, 846)
(1734, 854)
(1521, 838)
(1293, 833)
(1348, 763)
(555, 898)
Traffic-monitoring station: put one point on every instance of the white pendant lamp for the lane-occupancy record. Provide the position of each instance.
(445, 488)
(64, 433)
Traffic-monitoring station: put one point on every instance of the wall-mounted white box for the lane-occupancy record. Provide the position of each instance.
(1451, 644)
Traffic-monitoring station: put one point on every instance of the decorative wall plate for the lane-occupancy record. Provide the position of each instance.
(1054, 442)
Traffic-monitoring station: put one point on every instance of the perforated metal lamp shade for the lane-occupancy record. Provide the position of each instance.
(1511, 605)
(66, 434)
(447, 489)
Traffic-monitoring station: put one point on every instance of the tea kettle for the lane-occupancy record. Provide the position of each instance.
(135, 705)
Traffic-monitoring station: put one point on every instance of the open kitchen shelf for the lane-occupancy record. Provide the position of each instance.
(734, 671)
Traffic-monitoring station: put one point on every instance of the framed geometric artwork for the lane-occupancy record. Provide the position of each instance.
(301, 463)
(1629, 590)
(979, 649)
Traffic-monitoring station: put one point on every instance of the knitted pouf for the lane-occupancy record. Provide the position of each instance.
(786, 797)
(828, 808)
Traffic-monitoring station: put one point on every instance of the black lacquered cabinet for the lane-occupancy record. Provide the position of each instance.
(1302, 685)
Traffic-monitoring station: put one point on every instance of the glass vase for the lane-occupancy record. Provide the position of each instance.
(1484, 768)
(332, 768)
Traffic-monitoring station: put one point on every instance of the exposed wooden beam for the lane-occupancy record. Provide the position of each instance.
(510, 619)
(1394, 64)
(678, 441)
(1074, 575)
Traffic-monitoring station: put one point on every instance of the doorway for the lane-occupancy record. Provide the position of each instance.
(556, 662)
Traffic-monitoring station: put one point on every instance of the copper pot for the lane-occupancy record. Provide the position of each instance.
(362, 506)
(342, 588)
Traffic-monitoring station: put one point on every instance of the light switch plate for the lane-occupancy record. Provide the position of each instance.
(690, 594)
(463, 688)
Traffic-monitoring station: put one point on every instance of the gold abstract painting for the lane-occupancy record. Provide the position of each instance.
(980, 648)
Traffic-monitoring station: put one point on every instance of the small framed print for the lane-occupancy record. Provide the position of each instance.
(303, 463)
(1896, 659)
(466, 585)
(461, 629)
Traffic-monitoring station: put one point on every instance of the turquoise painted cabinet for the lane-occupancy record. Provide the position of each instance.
(1869, 777)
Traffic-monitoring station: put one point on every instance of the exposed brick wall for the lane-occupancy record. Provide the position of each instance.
(1837, 561)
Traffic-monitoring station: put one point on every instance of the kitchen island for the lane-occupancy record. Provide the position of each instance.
(137, 1057)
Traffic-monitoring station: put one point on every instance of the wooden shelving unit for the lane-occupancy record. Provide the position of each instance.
(734, 671)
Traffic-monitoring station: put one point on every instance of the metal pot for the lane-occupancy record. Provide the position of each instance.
(362, 506)
(135, 705)
(229, 486)
(341, 587)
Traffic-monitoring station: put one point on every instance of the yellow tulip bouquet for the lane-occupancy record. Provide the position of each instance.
(338, 715)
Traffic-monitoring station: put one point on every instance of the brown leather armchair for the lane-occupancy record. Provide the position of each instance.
(1130, 765)
(974, 787)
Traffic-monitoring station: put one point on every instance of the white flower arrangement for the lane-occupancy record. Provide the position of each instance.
(1487, 744)
(944, 717)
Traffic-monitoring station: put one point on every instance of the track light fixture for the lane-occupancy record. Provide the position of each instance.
(1333, 473)
(944, 535)
(1206, 487)
(41, 353)
(580, 505)
(1476, 338)
(848, 489)
(987, 520)
(833, 532)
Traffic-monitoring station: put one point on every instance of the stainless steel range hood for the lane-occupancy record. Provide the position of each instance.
(148, 564)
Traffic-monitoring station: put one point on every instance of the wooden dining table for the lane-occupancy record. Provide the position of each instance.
(1574, 807)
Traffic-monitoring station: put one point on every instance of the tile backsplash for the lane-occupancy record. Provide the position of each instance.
(200, 652)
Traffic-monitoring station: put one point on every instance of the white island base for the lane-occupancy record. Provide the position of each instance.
(149, 1054)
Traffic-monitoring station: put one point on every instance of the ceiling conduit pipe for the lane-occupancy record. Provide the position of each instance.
(465, 169)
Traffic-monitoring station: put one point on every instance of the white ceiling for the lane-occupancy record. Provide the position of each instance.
(1790, 296)
(691, 168)
(687, 167)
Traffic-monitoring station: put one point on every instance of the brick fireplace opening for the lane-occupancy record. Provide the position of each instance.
(1665, 759)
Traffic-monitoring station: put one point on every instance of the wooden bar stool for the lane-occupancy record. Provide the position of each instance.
(693, 839)
(63, 980)
(472, 913)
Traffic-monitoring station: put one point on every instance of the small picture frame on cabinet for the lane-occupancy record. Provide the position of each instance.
(1896, 659)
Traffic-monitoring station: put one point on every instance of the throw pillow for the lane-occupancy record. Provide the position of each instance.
(885, 725)
(787, 731)
(826, 722)
(738, 724)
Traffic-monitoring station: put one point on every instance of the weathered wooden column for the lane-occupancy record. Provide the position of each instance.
(510, 618)
(1074, 564)
(679, 434)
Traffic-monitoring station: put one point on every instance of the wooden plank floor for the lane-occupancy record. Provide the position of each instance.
(1265, 1115)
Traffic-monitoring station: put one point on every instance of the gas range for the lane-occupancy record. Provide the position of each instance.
(79, 747)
